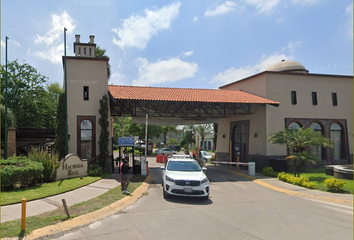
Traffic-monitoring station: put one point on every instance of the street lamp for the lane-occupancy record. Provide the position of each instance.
(6, 135)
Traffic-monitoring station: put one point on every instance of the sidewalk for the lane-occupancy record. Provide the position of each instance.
(287, 188)
(36, 207)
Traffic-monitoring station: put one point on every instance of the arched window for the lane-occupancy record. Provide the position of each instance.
(316, 150)
(336, 132)
(86, 139)
(209, 145)
(294, 125)
(240, 142)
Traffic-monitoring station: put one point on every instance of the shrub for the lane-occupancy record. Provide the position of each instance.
(94, 170)
(300, 181)
(50, 163)
(334, 184)
(268, 171)
(20, 171)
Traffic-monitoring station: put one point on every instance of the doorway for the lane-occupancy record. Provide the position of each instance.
(240, 135)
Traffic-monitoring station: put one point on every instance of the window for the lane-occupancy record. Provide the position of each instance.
(337, 140)
(334, 99)
(90, 52)
(314, 98)
(79, 51)
(293, 98)
(317, 151)
(294, 125)
(84, 51)
(86, 93)
(86, 139)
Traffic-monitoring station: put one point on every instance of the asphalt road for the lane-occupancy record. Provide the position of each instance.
(237, 209)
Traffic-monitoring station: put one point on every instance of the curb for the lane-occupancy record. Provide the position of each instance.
(92, 216)
(295, 193)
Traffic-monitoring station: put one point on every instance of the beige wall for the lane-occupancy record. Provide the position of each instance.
(279, 88)
(91, 72)
(271, 119)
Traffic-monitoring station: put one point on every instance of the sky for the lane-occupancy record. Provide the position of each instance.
(185, 43)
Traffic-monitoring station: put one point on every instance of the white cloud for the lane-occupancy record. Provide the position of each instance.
(2, 44)
(163, 71)
(136, 31)
(234, 74)
(118, 79)
(190, 53)
(305, 2)
(291, 45)
(349, 13)
(279, 20)
(52, 41)
(195, 19)
(264, 6)
(226, 7)
(12, 42)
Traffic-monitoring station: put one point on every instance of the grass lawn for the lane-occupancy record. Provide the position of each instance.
(13, 228)
(46, 189)
(318, 175)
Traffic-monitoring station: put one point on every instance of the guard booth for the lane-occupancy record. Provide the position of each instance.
(127, 143)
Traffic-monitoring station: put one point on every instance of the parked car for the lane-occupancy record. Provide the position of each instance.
(184, 177)
(165, 151)
(175, 147)
(206, 156)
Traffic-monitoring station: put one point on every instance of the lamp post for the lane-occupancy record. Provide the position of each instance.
(5, 152)
(66, 98)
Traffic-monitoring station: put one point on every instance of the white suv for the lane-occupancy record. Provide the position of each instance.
(184, 177)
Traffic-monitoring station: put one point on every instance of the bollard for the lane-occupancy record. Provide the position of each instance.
(66, 208)
(252, 168)
(23, 215)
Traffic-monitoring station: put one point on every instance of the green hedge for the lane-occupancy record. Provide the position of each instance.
(20, 172)
(300, 181)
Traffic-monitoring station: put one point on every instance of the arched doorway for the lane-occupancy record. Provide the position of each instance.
(240, 141)
(86, 138)
(337, 139)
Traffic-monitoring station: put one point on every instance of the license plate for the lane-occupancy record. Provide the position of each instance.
(187, 190)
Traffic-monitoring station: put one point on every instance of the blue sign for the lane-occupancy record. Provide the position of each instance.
(126, 141)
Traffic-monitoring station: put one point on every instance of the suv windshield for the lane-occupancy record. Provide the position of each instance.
(184, 166)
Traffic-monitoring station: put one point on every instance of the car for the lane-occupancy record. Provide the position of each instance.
(175, 147)
(184, 177)
(165, 151)
(206, 156)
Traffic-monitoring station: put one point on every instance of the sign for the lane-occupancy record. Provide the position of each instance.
(126, 141)
(72, 166)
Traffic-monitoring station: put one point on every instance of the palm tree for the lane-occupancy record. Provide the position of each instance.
(203, 130)
(298, 141)
(167, 129)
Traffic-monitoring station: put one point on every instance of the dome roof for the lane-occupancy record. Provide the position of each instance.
(288, 66)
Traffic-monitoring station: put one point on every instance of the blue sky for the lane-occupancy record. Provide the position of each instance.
(189, 44)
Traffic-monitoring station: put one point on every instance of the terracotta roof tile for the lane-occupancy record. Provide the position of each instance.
(185, 95)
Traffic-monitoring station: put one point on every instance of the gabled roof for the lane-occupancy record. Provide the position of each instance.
(119, 92)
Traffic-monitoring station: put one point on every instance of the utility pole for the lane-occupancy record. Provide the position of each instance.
(66, 99)
(6, 127)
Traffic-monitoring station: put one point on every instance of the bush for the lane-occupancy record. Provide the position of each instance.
(94, 170)
(334, 185)
(20, 172)
(300, 181)
(268, 171)
(50, 163)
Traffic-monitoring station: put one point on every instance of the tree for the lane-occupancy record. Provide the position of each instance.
(27, 96)
(215, 138)
(54, 90)
(203, 130)
(104, 134)
(102, 54)
(297, 142)
(166, 130)
(11, 118)
(59, 146)
(188, 136)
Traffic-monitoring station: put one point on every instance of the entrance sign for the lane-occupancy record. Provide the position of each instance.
(126, 141)
(72, 166)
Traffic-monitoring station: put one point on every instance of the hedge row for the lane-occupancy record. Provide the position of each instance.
(21, 172)
(300, 181)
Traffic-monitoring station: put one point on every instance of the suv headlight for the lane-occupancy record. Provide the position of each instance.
(204, 180)
(169, 179)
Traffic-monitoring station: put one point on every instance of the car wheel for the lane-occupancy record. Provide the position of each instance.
(165, 194)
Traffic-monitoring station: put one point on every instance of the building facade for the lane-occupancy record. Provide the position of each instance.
(319, 101)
